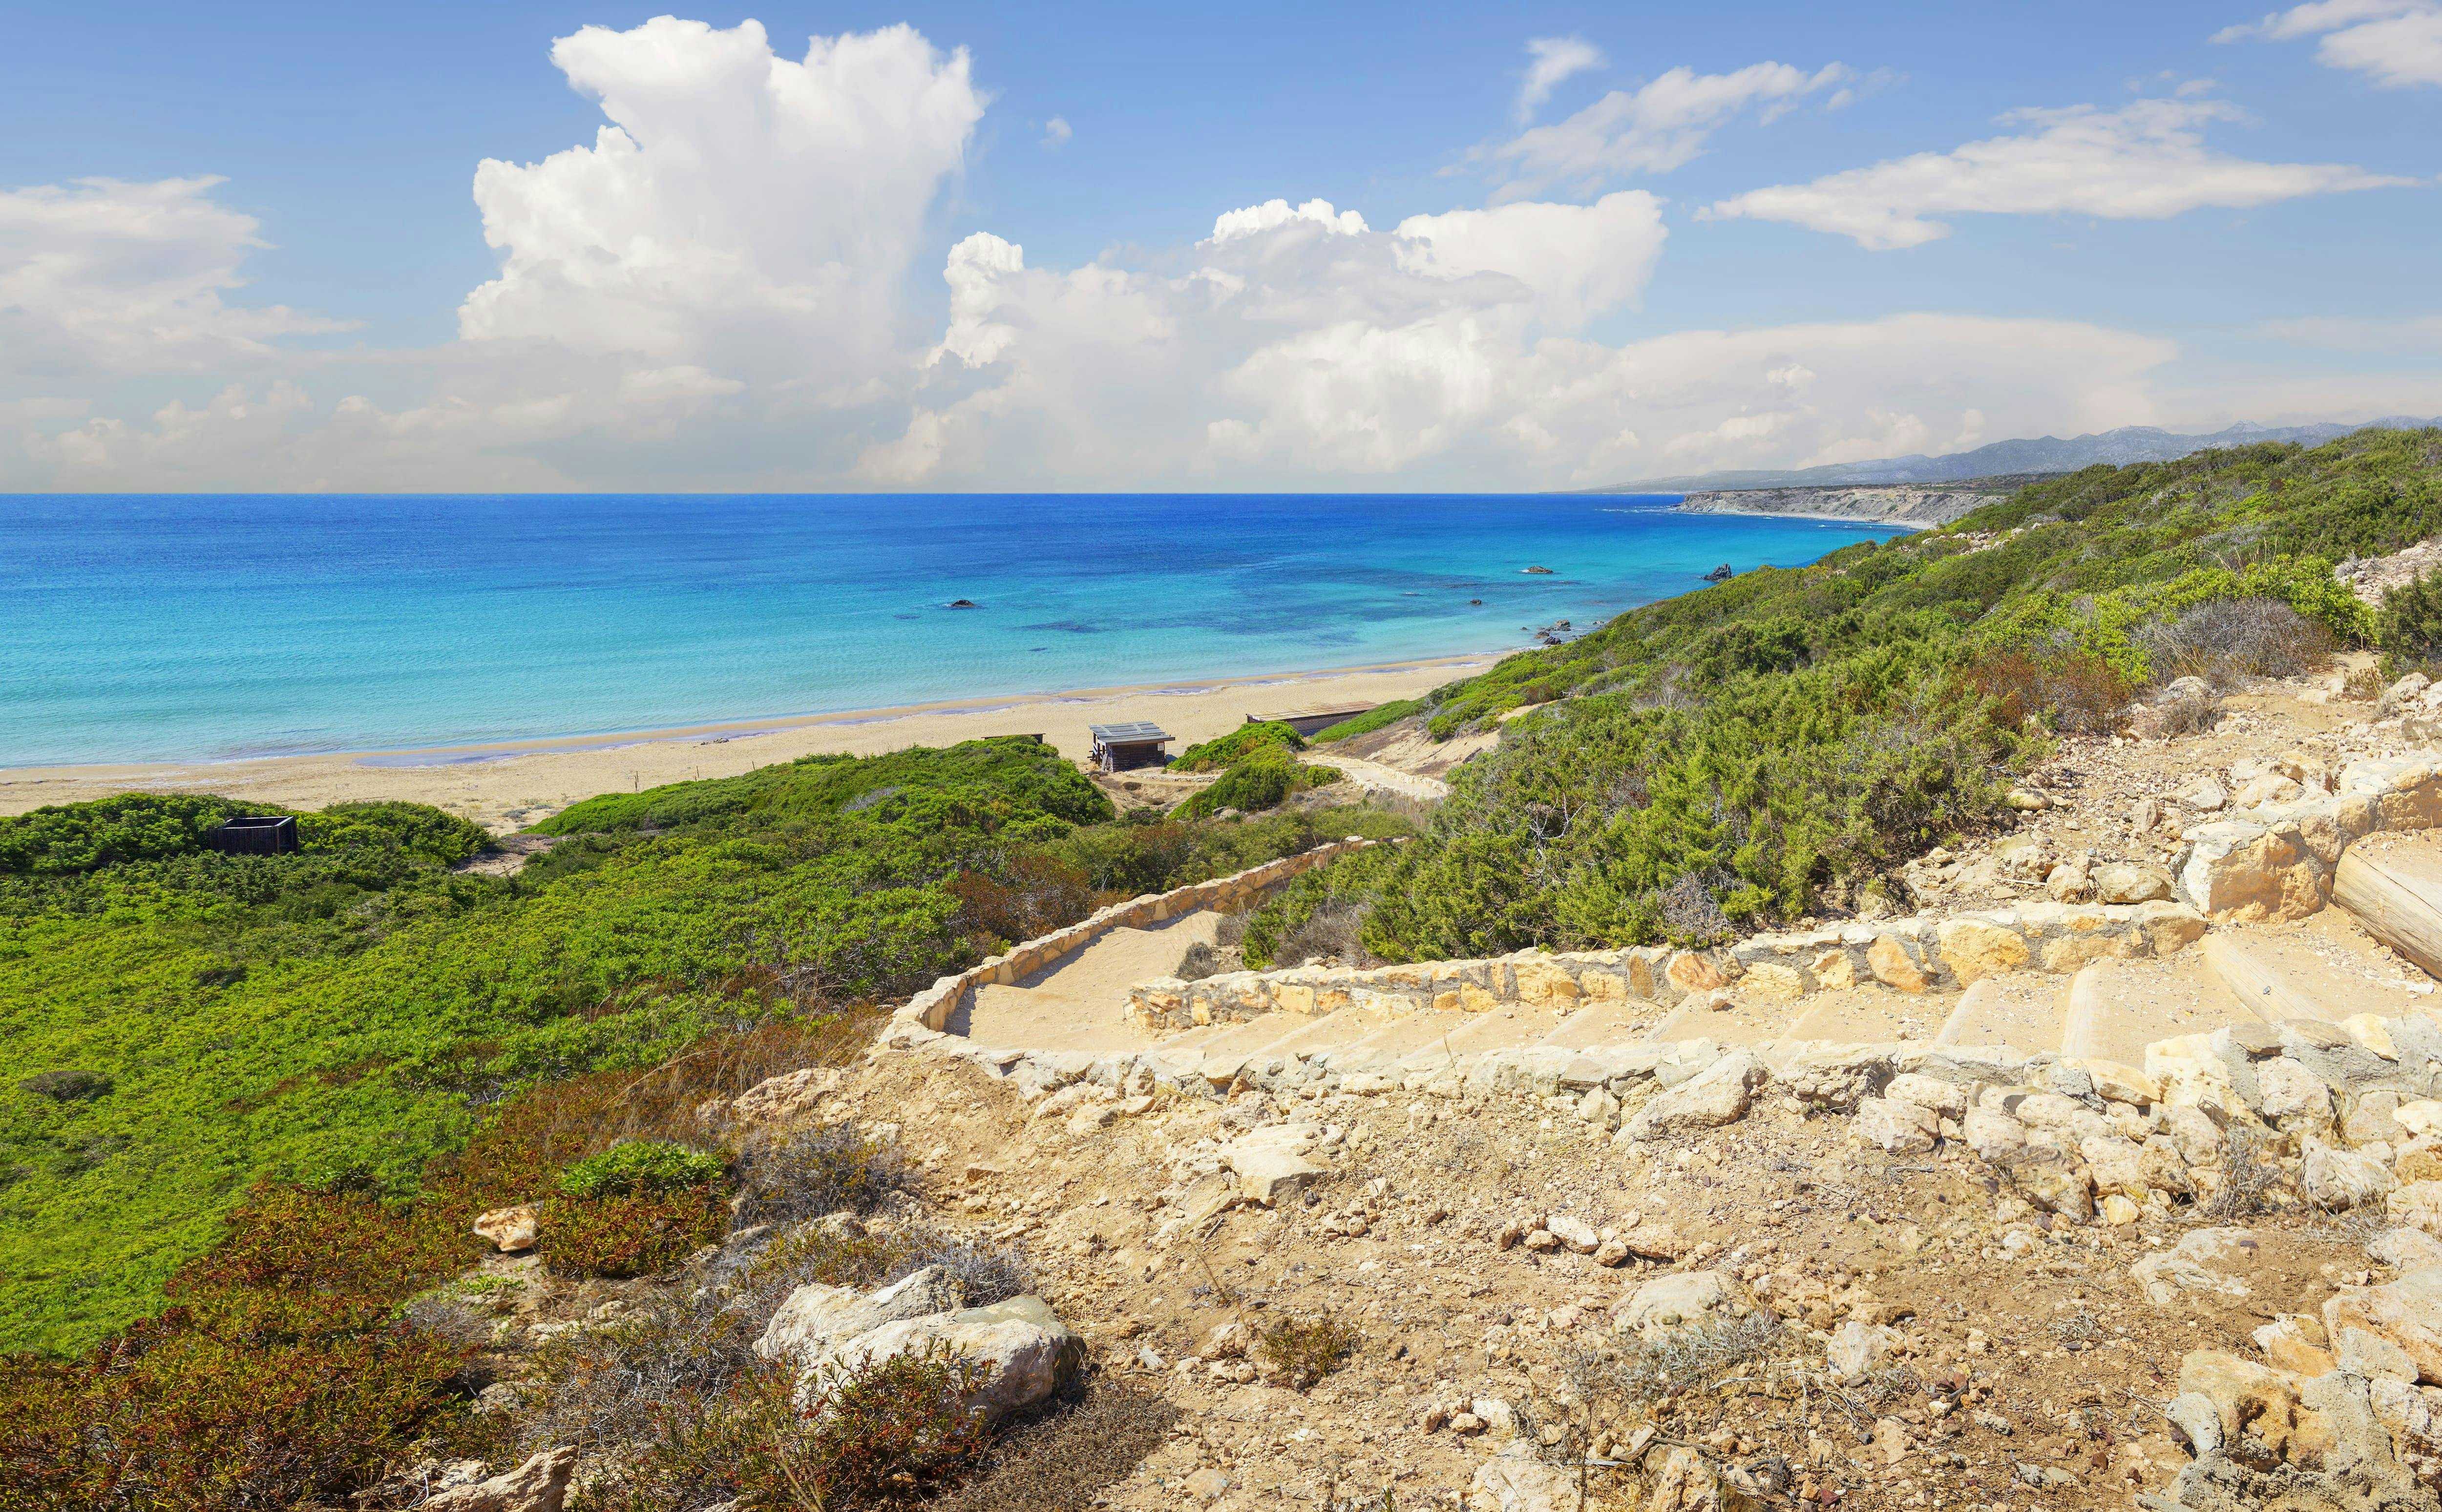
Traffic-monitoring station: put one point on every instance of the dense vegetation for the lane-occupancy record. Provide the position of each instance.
(1246, 741)
(177, 1024)
(1773, 744)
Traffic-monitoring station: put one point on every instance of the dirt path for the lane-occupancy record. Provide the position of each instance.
(1081, 1004)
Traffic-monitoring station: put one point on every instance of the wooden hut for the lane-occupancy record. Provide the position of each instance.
(255, 835)
(1117, 747)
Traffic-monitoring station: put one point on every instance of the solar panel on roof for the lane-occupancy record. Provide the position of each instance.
(1124, 733)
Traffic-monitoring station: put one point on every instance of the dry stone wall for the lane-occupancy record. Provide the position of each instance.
(1909, 954)
(932, 1008)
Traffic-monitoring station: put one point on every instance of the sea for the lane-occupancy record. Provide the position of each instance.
(164, 628)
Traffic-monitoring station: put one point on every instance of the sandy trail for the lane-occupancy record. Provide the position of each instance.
(509, 786)
(1081, 1003)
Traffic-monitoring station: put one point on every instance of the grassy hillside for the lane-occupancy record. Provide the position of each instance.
(1760, 748)
(176, 1025)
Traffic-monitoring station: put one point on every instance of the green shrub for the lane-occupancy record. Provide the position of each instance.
(634, 1166)
(1371, 720)
(1236, 746)
(1305, 1349)
(1255, 782)
(2409, 629)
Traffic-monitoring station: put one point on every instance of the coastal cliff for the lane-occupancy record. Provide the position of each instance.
(1918, 504)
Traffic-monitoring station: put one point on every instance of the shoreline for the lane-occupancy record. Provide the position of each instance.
(1805, 514)
(507, 785)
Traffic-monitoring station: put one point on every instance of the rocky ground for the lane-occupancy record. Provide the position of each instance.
(1862, 1280)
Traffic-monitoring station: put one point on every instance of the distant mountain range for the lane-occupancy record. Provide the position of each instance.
(2045, 454)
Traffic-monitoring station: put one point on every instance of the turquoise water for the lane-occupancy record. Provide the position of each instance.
(164, 628)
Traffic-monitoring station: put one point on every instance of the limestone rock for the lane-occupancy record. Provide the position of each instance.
(2337, 1178)
(2248, 1399)
(1574, 1233)
(1027, 1350)
(540, 1484)
(2204, 795)
(1721, 1093)
(2204, 1260)
(1837, 1080)
(1902, 1128)
(1857, 1350)
(2295, 1342)
(2122, 884)
(2068, 882)
(1671, 1301)
(2407, 1313)
(2270, 788)
(2247, 873)
(1514, 1484)
(1691, 971)
(1269, 1172)
(818, 1319)
(509, 1228)
(2417, 1205)
(1994, 1136)
(1893, 967)
(2405, 1249)
(2117, 1165)
(2289, 1090)
(1936, 1097)
(1977, 948)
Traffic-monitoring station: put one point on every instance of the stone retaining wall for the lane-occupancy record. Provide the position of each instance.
(1909, 954)
(932, 1008)
(2277, 860)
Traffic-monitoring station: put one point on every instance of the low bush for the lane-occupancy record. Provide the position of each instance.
(1333, 932)
(2409, 628)
(636, 1167)
(1200, 961)
(633, 1233)
(1254, 783)
(2229, 639)
(1305, 1349)
(1062, 1458)
(1236, 746)
(2066, 689)
(809, 1173)
(1378, 717)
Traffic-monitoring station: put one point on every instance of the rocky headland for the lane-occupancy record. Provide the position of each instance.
(1916, 504)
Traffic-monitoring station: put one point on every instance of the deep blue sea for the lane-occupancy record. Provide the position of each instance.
(166, 627)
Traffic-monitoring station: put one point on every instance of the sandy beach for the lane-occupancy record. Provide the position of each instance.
(509, 786)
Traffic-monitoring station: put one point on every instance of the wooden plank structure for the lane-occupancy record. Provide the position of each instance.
(273, 834)
(1306, 721)
(1119, 747)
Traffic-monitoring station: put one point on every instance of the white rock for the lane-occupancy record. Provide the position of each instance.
(2122, 884)
(1721, 1093)
(540, 1484)
(1574, 1233)
(1857, 1350)
(1996, 1137)
(2204, 795)
(1670, 1302)
(1027, 1351)
(2207, 1260)
(1901, 1128)
(818, 1319)
(509, 1228)
(1926, 1092)
(1513, 1483)
(2337, 1178)
(2290, 1090)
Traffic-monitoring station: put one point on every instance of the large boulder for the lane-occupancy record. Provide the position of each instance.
(816, 1319)
(1900, 1128)
(1027, 1351)
(1721, 1093)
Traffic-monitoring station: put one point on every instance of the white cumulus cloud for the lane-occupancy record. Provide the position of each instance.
(101, 276)
(1555, 59)
(1650, 130)
(2145, 161)
(741, 210)
(2397, 43)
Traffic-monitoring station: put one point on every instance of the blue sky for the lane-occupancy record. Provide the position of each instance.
(1770, 268)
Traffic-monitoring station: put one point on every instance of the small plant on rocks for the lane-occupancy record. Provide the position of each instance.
(1305, 1349)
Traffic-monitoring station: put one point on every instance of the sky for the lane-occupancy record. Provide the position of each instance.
(939, 248)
